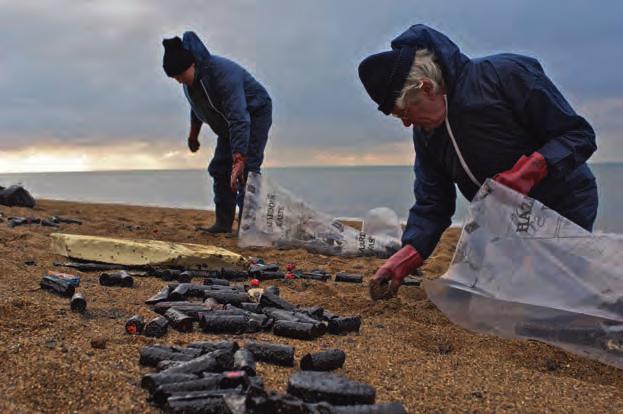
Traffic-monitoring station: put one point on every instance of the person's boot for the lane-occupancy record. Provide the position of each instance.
(224, 220)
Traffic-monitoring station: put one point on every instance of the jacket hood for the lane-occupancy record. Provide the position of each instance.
(191, 42)
(446, 51)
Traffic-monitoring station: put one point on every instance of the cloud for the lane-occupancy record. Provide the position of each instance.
(87, 74)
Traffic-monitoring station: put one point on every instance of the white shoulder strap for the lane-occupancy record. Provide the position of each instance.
(456, 148)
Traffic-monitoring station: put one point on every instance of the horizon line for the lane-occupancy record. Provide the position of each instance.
(265, 168)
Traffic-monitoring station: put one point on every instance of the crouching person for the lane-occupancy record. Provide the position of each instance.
(496, 117)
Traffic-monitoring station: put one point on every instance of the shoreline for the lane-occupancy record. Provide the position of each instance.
(407, 349)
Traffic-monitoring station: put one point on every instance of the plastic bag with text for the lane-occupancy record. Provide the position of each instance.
(522, 270)
(272, 217)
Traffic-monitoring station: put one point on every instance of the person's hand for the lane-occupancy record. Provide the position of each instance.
(525, 174)
(193, 144)
(389, 277)
(237, 172)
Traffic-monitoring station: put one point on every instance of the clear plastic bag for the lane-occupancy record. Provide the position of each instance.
(272, 217)
(521, 270)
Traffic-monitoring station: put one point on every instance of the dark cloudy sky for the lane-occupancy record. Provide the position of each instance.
(81, 84)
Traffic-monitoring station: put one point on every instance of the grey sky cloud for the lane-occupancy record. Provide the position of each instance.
(83, 72)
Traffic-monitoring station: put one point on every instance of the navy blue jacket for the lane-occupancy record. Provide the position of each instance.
(500, 107)
(224, 95)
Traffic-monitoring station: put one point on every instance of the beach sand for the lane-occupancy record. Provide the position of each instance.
(406, 348)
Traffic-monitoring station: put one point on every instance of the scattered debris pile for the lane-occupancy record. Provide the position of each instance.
(237, 309)
(220, 377)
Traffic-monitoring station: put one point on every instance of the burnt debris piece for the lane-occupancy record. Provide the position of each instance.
(64, 220)
(157, 327)
(20, 221)
(328, 360)
(387, 408)
(244, 361)
(343, 325)
(78, 303)
(161, 296)
(313, 275)
(57, 286)
(150, 356)
(179, 320)
(313, 387)
(153, 380)
(211, 346)
(298, 330)
(121, 279)
(272, 353)
(225, 324)
(135, 325)
(348, 278)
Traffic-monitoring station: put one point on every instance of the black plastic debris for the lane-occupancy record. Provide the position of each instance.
(135, 325)
(272, 290)
(215, 281)
(216, 361)
(57, 286)
(315, 387)
(339, 325)
(152, 381)
(264, 275)
(121, 279)
(161, 296)
(49, 223)
(20, 221)
(64, 220)
(251, 307)
(179, 321)
(157, 327)
(150, 356)
(298, 330)
(164, 391)
(223, 324)
(348, 278)
(272, 353)
(244, 361)
(211, 346)
(270, 300)
(388, 408)
(207, 402)
(16, 196)
(314, 275)
(328, 360)
(78, 303)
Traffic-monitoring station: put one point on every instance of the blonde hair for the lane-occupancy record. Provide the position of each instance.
(424, 67)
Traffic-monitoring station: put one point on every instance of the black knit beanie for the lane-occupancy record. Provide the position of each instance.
(384, 75)
(176, 58)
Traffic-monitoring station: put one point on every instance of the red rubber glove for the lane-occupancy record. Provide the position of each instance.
(388, 278)
(525, 174)
(237, 171)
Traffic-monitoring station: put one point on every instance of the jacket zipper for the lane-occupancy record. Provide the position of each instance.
(211, 104)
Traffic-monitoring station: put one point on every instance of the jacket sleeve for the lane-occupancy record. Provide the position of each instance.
(567, 139)
(435, 199)
(234, 104)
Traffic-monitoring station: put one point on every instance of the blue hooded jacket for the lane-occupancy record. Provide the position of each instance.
(224, 95)
(500, 107)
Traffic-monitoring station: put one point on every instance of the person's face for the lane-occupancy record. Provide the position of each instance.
(428, 113)
(187, 77)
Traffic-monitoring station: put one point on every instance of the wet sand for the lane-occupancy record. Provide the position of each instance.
(406, 348)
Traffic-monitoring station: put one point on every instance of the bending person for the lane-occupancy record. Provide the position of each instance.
(498, 116)
(237, 108)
